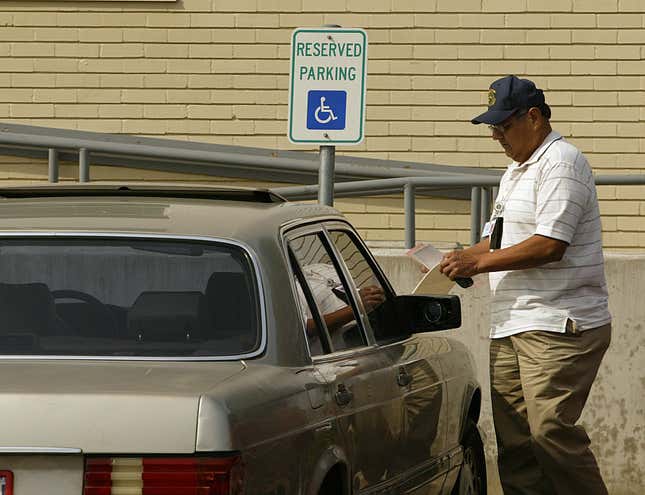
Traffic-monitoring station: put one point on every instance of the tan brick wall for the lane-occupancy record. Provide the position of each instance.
(217, 71)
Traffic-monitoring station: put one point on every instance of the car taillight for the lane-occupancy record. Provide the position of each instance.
(163, 476)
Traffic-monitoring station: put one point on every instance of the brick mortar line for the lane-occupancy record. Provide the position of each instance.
(76, 10)
(511, 43)
(442, 28)
(390, 59)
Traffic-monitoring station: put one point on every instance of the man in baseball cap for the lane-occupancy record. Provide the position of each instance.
(550, 323)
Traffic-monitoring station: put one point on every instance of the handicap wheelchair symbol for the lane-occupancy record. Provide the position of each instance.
(326, 109)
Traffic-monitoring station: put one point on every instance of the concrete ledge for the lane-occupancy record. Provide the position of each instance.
(615, 413)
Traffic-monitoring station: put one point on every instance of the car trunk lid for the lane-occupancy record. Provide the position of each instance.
(105, 407)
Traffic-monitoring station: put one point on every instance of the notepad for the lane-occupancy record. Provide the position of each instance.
(433, 282)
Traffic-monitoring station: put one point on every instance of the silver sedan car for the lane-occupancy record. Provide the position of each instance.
(162, 340)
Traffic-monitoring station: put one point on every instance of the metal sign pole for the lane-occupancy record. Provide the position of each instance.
(326, 175)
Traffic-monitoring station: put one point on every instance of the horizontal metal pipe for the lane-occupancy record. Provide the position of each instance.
(251, 160)
(394, 185)
(212, 157)
(620, 180)
(350, 194)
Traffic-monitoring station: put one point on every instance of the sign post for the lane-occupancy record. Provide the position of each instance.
(327, 94)
(326, 175)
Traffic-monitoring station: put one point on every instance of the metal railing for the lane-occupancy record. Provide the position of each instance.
(482, 191)
(379, 177)
(198, 158)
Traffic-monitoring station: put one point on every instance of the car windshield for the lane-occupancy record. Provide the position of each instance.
(126, 297)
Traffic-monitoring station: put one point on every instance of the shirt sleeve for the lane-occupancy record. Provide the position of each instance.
(563, 193)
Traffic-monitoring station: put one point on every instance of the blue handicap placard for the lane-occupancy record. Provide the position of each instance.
(326, 109)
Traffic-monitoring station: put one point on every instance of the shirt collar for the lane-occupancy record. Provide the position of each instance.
(537, 154)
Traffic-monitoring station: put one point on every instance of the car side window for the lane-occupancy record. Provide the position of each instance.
(329, 304)
(376, 299)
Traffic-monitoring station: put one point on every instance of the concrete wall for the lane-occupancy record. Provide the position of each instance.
(615, 413)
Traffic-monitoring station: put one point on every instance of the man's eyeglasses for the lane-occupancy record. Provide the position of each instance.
(505, 126)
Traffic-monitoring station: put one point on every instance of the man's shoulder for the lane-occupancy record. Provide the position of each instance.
(562, 151)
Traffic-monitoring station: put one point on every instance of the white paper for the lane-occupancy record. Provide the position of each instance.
(433, 282)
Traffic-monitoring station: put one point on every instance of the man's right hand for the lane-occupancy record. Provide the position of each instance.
(459, 264)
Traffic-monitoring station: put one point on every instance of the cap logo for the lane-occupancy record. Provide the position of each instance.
(492, 97)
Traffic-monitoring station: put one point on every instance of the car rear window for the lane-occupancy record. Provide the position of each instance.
(127, 297)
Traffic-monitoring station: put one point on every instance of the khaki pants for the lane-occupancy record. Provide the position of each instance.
(540, 382)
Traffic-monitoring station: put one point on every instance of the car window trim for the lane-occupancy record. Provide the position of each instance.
(152, 236)
(357, 303)
(320, 322)
(347, 281)
(316, 227)
(287, 234)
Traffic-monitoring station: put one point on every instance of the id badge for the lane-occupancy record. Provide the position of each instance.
(497, 230)
(487, 228)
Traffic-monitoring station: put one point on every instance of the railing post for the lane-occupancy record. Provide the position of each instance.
(409, 208)
(485, 208)
(83, 165)
(475, 215)
(494, 192)
(53, 165)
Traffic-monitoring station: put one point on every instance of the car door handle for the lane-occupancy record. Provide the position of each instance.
(403, 378)
(343, 396)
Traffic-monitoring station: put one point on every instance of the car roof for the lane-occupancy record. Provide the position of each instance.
(244, 214)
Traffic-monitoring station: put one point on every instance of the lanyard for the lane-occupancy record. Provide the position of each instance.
(498, 208)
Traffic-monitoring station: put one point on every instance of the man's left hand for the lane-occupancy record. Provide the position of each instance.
(372, 297)
(458, 264)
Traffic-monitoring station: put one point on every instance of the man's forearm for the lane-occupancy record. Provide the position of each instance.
(482, 246)
(533, 252)
(338, 318)
(333, 320)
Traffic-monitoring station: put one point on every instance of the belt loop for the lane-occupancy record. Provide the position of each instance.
(571, 327)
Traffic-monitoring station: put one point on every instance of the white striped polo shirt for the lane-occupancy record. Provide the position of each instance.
(551, 194)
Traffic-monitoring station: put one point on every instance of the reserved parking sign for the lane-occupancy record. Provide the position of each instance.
(327, 86)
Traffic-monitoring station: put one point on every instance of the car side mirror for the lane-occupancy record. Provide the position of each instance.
(428, 313)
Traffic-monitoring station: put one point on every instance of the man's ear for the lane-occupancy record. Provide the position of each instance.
(535, 117)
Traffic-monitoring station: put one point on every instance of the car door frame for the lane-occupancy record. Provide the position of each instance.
(352, 367)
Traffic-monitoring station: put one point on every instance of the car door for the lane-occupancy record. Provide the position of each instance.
(360, 376)
(425, 410)
(415, 361)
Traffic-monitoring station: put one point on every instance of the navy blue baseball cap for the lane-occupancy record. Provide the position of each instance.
(508, 95)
